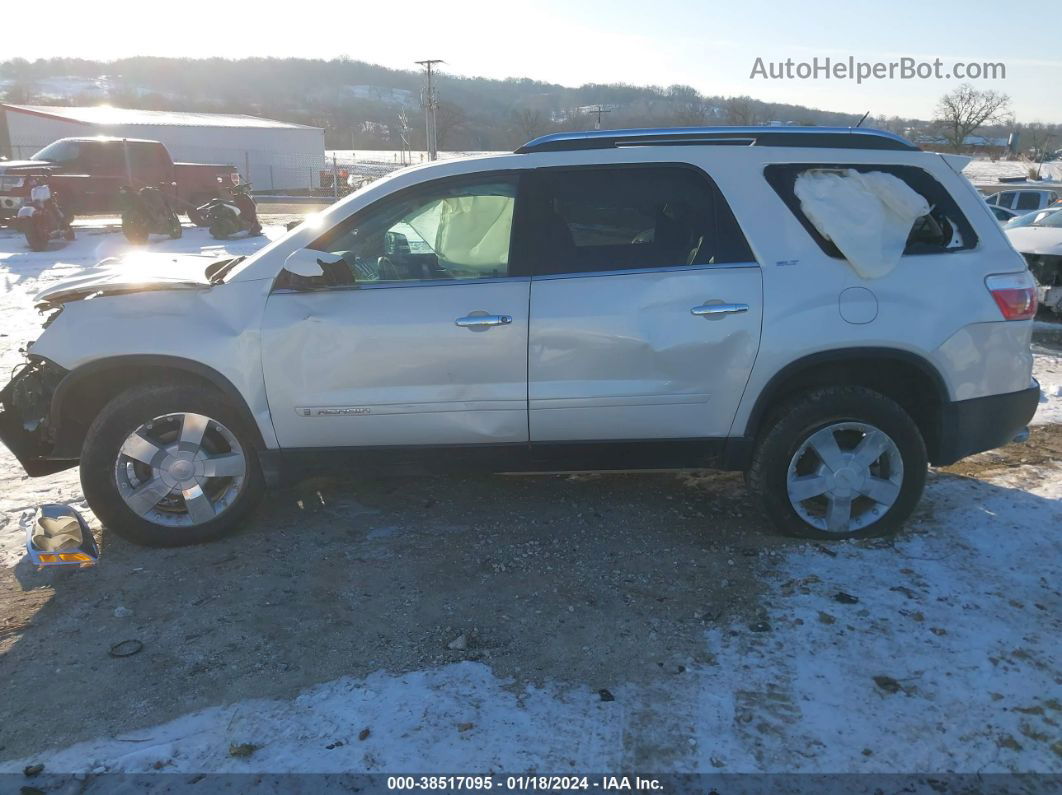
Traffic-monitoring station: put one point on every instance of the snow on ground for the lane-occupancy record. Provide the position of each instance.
(344, 157)
(984, 172)
(936, 651)
(376, 163)
(1047, 369)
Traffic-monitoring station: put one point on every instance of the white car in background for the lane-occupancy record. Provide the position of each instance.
(1024, 200)
(1038, 236)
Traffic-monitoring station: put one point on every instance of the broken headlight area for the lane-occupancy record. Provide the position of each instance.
(50, 314)
(25, 406)
(1047, 270)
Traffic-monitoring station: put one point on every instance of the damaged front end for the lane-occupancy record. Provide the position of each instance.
(1047, 270)
(25, 409)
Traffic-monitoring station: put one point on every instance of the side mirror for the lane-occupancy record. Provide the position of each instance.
(309, 263)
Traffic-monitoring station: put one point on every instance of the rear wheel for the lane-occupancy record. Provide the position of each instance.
(222, 229)
(135, 229)
(194, 215)
(36, 232)
(839, 462)
(170, 465)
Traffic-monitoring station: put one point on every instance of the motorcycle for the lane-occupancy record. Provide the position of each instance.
(227, 218)
(146, 212)
(43, 219)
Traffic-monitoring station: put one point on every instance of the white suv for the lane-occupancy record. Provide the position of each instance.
(605, 300)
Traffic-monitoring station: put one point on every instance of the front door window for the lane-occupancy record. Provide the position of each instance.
(449, 232)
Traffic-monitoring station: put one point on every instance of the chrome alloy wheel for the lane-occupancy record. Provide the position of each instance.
(180, 470)
(845, 477)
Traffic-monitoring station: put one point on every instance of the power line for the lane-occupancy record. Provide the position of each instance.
(431, 104)
(599, 110)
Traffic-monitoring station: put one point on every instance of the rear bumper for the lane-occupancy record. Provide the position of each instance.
(973, 426)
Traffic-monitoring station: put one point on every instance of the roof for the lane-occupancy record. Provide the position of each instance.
(106, 116)
(819, 137)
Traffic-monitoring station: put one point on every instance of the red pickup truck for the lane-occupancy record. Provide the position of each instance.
(87, 173)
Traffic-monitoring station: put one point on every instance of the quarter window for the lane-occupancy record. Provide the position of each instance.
(440, 232)
(603, 219)
(944, 229)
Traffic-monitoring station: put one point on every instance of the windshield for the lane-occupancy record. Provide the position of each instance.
(62, 151)
(218, 270)
(1052, 219)
(1038, 218)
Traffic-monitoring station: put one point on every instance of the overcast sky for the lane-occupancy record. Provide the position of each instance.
(708, 44)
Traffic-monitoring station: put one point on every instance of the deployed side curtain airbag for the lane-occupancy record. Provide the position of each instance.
(468, 232)
(868, 216)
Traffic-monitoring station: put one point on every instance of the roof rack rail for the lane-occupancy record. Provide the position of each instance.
(816, 137)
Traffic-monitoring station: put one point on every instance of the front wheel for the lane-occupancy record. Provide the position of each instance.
(170, 466)
(135, 229)
(36, 231)
(839, 462)
(222, 230)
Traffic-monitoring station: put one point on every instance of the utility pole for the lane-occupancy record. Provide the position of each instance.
(431, 103)
(599, 110)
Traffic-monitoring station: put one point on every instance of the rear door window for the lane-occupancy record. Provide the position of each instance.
(105, 159)
(943, 230)
(1028, 200)
(146, 157)
(596, 219)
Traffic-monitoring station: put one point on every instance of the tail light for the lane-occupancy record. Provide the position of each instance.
(1014, 293)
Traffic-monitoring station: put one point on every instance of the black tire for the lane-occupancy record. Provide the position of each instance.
(135, 231)
(124, 415)
(194, 215)
(221, 230)
(791, 425)
(36, 239)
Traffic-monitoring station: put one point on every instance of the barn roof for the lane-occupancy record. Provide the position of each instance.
(106, 116)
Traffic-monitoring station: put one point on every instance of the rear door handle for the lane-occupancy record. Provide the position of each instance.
(707, 310)
(482, 322)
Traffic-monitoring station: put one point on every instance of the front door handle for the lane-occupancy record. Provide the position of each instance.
(708, 310)
(481, 322)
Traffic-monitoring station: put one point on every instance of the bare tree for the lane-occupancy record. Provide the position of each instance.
(741, 111)
(20, 91)
(448, 118)
(960, 112)
(528, 122)
(1037, 138)
(688, 108)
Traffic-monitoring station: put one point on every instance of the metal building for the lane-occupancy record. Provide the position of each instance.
(273, 155)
